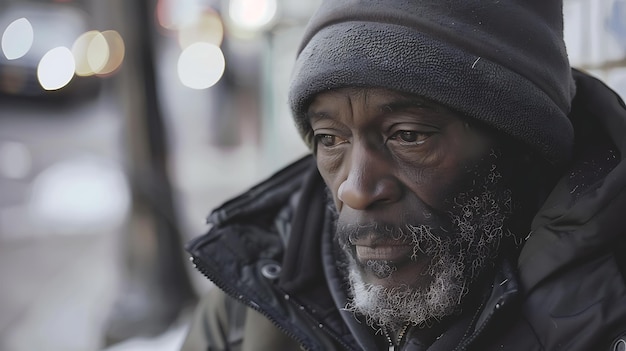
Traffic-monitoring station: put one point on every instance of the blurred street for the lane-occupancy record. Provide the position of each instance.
(59, 236)
(57, 292)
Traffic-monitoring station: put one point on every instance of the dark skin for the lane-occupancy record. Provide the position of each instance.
(392, 159)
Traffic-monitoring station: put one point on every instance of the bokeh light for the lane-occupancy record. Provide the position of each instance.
(207, 28)
(17, 38)
(80, 50)
(174, 14)
(201, 65)
(98, 53)
(56, 68)
(116, 52)
(252, 14)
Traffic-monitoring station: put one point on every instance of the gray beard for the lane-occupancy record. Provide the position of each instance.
(456, 261)
(392, 307)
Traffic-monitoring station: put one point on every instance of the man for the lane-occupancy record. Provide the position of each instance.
(466, 191)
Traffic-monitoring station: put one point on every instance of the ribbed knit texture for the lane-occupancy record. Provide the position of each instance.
(501, 62)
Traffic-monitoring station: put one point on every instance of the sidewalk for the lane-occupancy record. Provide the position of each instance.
(56, 291)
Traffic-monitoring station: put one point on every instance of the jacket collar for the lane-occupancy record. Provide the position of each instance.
(583, 216)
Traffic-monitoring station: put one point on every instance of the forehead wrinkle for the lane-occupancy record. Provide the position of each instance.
(349, 98)
(403, 104)
(392, 101)
(333, 104)
(362, 102)
(317, 115)
(348, 103)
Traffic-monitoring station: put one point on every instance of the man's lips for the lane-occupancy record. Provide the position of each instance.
(387, 252)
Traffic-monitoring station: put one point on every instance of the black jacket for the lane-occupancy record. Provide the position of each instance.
(272, 250)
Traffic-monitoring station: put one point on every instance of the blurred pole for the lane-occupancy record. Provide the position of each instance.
(156, 286)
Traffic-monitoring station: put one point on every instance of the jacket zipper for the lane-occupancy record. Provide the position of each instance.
(209, 274)
(320, 325)
(465, 343)
(243, 299)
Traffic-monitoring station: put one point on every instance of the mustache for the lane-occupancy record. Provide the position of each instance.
(425, 236)
(350, 233)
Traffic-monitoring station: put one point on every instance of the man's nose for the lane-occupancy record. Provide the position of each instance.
(369, 182)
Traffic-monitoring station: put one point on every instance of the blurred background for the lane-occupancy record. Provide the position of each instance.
(123, 123)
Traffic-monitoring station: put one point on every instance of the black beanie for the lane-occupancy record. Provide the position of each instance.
(502, 62)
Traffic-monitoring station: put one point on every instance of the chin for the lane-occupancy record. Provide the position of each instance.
(402, 297)
(390, 275)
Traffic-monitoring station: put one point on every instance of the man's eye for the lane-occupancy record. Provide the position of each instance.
(329, 140)
(410, 137)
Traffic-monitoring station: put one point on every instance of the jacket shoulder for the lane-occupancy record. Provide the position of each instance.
(581, 308)
(269, 194)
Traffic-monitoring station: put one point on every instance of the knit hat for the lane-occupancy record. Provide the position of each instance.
(502, 62)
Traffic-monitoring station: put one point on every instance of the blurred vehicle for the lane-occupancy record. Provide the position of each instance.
(43, 53)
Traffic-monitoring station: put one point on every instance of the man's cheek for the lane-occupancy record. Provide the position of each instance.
(439, 192)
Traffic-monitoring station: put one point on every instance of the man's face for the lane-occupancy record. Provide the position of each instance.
(419, 203)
